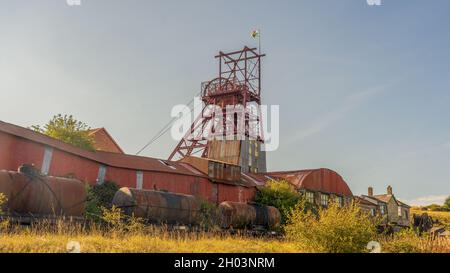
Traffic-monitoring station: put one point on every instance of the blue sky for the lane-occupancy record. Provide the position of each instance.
(363, 90)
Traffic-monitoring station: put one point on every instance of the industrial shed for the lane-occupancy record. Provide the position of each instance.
(19, 146)
(319, 185)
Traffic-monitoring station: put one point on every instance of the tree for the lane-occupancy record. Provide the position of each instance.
(69, 130)
(446, 205)
(279, 194)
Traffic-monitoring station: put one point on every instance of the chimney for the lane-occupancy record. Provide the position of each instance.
(389, 190)
(370, 191)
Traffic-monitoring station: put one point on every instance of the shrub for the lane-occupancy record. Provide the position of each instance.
(118, 223)
(333, 229)
(404, 241)
(280, 194)
(100, 196)
(208, 215)
(3, 223)
(3, 200)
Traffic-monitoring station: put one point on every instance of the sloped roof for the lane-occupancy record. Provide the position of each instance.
(387, 197)
(372, 199)
(400, 203)
(364, 201)
(106, 158)
(103, 141)
(384, 197)
(323, 180)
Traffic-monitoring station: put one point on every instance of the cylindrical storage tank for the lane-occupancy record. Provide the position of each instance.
(236, 215)
(241, 215)
(42, 195)
(267, 216)
(158, 206)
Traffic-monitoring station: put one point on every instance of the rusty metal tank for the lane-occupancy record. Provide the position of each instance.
(158, 206)
(29, 193)
(242, 215)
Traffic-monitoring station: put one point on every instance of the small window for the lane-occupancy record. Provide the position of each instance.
(101, 175)
(324, 200)
(340, 201)
(406, 214)
(399, 211)
(310, 197)
(383, 210)
(139, 179)
(48, 153)
(373, 212)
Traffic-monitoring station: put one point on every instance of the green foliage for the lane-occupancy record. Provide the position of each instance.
(279, 194)
(69, 130)
(3, 223)
(3, 201)
(333, 229)
(208, 215)
(118, 223)
(100, 196)
(446, 205)
(404, 241)
(435, 207)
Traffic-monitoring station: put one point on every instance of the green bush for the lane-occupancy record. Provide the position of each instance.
(3, 223)
(3, 200)
(208, 215)
(100, 196)
(333, 229)
(119, 224)
(279, 194)
(405, 241)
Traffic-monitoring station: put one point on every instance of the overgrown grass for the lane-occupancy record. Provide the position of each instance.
(46, 238)
(119, 234)
(332, 229)
(407, 241)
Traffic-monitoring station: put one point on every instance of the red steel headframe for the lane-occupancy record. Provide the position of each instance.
(238, 84)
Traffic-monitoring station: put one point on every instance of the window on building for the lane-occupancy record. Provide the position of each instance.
(340, 201)
(310, 197)
(324, 199)
(399, 211)
(406, 214)
(101, 175)
(383, 209)
(373, 212)
(139, 179)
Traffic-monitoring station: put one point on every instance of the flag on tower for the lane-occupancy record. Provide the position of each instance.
(255, 33)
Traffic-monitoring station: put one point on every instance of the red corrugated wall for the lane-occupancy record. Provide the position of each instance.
(15, 151)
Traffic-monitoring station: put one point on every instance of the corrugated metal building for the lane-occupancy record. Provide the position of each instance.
(320, 185)
(19, 146)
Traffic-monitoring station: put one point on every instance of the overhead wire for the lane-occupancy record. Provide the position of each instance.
(164, 129)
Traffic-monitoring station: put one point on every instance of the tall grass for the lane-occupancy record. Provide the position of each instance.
(333, 229)
(407, 241)
(339, 231)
